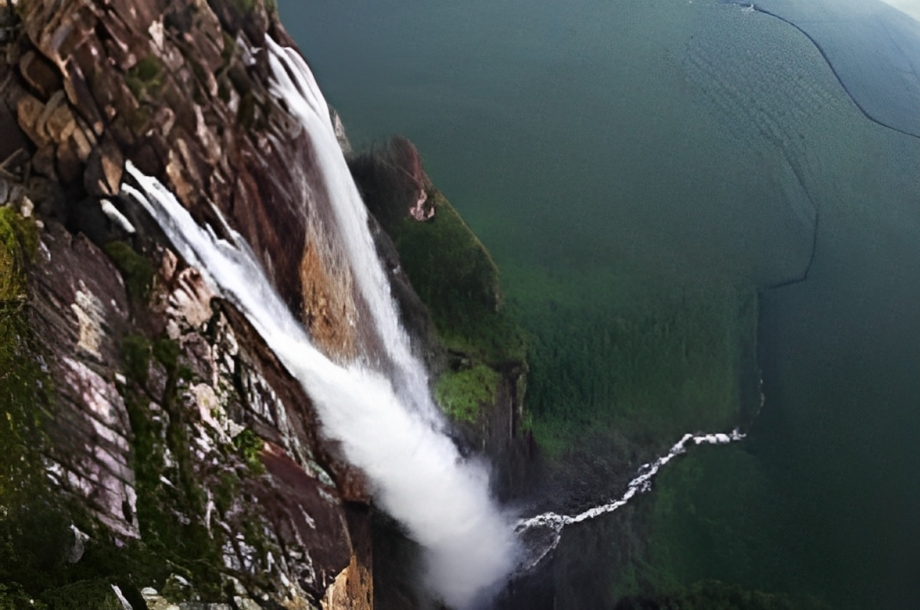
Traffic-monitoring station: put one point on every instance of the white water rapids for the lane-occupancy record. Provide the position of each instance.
(389, 428)
(541, 534)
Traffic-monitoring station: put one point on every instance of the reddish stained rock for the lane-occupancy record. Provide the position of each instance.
(79, 309)
(82, 316)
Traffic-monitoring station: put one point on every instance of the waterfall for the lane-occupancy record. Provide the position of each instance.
(387, 426)
(541, 534)
(416, 472)
(293, 84)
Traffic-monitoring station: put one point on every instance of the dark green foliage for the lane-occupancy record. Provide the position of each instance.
(461, 393)
(146, 77)
(456, 278)
(712, 517)
(23, 399)
(451, 271)
(23, 385)
(172, 544)
(135, 356)
(34, 537)
(83, 595)
(18, 241)
(135, 268)
(447, 265)
(249, 446)
(166, 351)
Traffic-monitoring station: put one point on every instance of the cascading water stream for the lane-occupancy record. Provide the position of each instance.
(294, 85)
(542, 533)
(417, 473)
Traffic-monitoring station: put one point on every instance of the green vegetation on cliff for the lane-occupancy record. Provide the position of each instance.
(22, 383)
(457, 279)
(135, 269)
(44, 563)
(460, 393)
(452, 273)
(22, 410)
(165, 480)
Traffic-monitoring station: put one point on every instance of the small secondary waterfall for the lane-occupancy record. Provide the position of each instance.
(389, 428)
(541, 534)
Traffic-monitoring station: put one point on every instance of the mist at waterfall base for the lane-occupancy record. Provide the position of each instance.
(416, 472)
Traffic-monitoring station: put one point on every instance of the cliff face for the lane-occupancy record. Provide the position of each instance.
(181, 456)
(159, 452)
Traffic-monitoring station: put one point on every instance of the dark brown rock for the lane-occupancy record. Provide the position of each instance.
(40, 73)
(29, 110)
(68, 163)
(307, 514)
(104, 169)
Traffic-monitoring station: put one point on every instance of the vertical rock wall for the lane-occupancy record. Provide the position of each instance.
(184, 461)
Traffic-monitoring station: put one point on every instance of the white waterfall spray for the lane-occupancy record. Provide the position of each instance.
(541, 534)
(418, 476)
(293, 83)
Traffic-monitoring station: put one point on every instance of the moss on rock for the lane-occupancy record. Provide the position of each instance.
(462, 393)
(135, 268)
(23, 392)
(146, 77)
(18, 241)
(457, 279)
(170, 498)
(83, 595)
(35, 533)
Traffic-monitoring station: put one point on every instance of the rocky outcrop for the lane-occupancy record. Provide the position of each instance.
(180, 88)
(179, 430)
